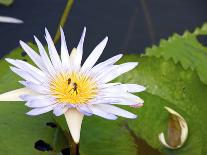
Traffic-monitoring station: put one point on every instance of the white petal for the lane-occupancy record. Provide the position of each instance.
(52, 51)
(133, 88)
(85, 110)
(5, 19)
(99, 112)
(27, 97)
(38, 103)
(130, 102)
(79, 55)
(24, 75)
(45, 57)
(120, 69)
(115, 110)
(33, 55)
(123, 98)
(74, 120)
(33, 71)
(36, 87)
(64, 51)
(60, 109)
(100, 100)
(111, 61)
(73, 60)
(125, 95)
(105, 72)
(15, 94)
(94, 56)
(107, 85)
(118, 101)
(38, 111)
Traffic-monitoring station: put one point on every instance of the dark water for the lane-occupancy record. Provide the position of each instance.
(130, 25)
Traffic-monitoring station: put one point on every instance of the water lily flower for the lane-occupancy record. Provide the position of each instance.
(64, 85)
(5, 19)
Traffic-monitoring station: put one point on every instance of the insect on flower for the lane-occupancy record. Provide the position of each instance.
(62, 85)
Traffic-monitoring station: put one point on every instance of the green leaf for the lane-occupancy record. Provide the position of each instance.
(108, 137)
(168, 84)
(18, 131)
(6, 2)
(186, 49)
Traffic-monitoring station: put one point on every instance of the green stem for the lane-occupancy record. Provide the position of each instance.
(63, 19)
(74, 148)
(148, 20)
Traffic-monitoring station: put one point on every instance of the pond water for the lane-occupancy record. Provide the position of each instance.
(130, 25)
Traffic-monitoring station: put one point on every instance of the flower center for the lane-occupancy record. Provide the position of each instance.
(73, 88)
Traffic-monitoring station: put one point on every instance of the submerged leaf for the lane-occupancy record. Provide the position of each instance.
(6, 2)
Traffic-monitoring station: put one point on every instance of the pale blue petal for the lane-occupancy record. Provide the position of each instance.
(38, 111)
(37, 88)
(133, 88)
(64, 51)
(60, 109)
(119, 70)
(45, 57)
(116, 111)
(99, 112)
(52, 51)
(94, 56)
(33, 71)
(33, 55)
(99, 67)
(85, 110)
(78, 57)
(38, 103)
(27, 97)
(24, 75)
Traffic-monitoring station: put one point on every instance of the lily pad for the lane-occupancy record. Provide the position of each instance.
(18, 131)
(187, 49)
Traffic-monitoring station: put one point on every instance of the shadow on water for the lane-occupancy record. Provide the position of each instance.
(142, 147)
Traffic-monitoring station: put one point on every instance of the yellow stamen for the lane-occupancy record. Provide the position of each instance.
(73, 88)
